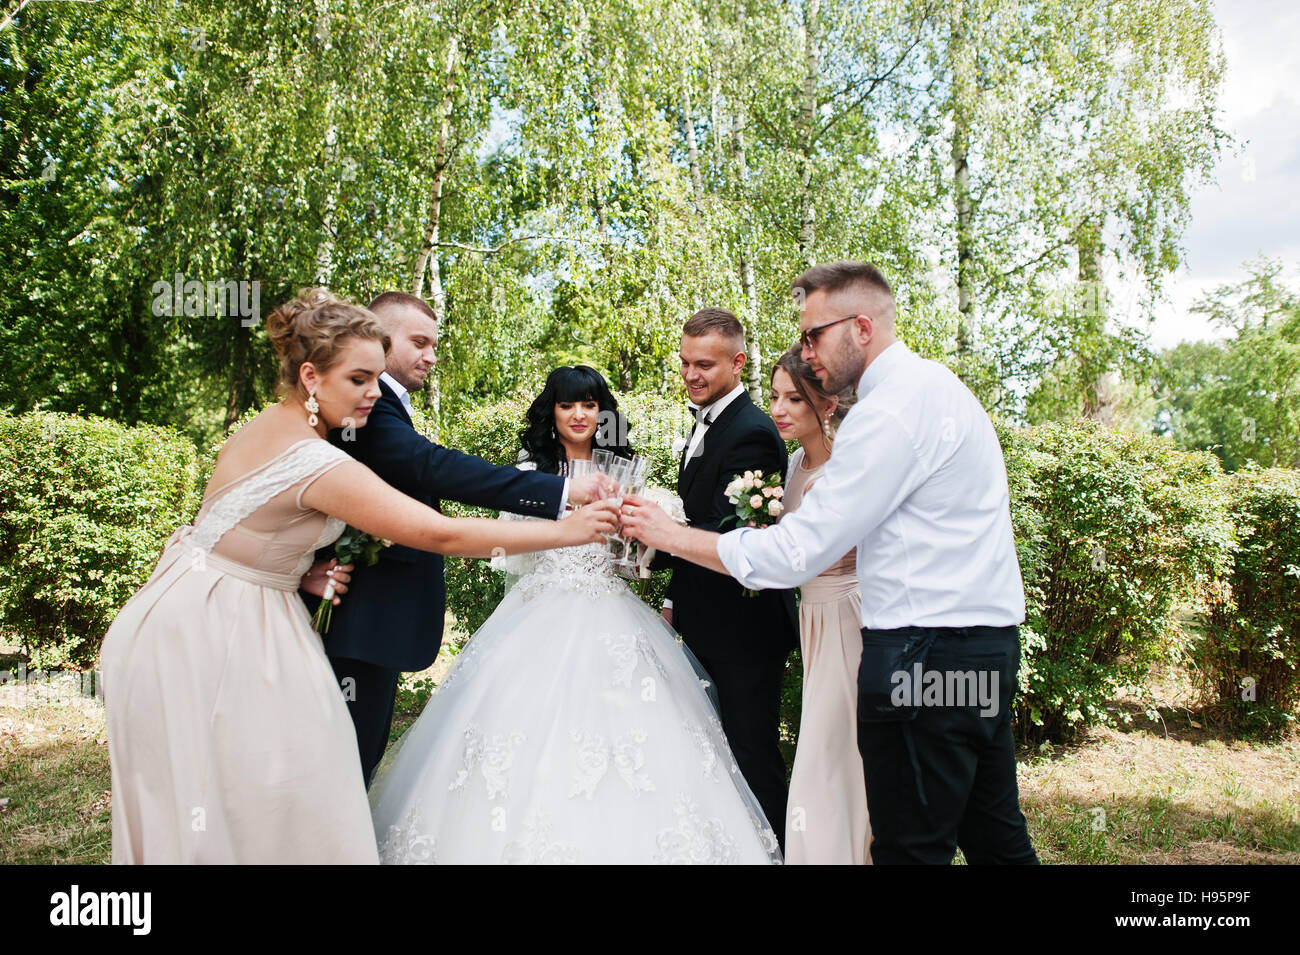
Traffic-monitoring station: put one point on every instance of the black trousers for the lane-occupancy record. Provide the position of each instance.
(947, 777)
(370, 692)
(749, 703)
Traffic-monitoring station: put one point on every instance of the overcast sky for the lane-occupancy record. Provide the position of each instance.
(1255, 206)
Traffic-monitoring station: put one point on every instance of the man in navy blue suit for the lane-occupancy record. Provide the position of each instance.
(391, 619)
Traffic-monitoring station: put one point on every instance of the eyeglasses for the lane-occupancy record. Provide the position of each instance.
(808, 337)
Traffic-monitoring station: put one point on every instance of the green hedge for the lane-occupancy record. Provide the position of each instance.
(1249, 656)
(1120, 536)
(85, 507)
(1117, 532)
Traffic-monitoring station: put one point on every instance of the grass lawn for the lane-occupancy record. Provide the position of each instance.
(1173, 791)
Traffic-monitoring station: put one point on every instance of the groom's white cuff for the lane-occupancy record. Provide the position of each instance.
(564, 499)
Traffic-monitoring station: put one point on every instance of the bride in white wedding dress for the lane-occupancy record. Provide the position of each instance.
(572, 728)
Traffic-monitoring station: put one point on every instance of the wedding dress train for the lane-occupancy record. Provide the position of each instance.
(572, 728)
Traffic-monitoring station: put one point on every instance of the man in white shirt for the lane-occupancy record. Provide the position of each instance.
(918, 485)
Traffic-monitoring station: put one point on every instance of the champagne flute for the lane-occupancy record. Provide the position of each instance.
(633, 484)
(576, 469)
(619, 470)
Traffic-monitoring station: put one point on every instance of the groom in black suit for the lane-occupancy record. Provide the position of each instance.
(391, 619)
(741, 640)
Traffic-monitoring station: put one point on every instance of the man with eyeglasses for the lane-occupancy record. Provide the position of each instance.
(918, 485)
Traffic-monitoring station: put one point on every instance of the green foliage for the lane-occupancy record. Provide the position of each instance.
(412, 696)
(1068, 136)
(1114, 531)
(570, 179)
(1249, 656)
(85, 507)
(1239, 398)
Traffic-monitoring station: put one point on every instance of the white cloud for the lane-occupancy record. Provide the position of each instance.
(1254, 208)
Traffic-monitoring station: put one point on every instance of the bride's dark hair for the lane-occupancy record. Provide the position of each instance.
(572, 383)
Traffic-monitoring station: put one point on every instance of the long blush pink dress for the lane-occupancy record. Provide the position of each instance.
(826, 814)
(228, 737)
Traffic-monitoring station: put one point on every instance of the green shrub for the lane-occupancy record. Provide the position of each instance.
(1113, 530)
(85, 507)
(1252, 625)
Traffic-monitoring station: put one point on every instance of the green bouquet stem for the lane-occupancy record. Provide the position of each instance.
(352, 547)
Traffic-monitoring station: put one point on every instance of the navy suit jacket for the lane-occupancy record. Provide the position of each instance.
(392, 614)
(710, 610)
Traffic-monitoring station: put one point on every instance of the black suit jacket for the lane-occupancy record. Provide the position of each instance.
(710, 610)
(392, 614)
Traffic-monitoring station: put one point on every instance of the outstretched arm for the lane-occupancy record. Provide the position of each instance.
(838, 512)
(644, 521)
(410, 462)
(355, 494)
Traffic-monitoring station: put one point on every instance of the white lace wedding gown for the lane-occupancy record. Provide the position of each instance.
(571, 729)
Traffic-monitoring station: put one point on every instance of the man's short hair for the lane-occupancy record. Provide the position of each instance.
(716, 321)
(834, 277)
(386, 300)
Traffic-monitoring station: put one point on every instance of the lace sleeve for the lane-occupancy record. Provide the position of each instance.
(515, 566)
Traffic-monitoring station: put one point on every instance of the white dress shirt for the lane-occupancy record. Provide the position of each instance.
(404, 397)
(918, 484)
(710, 412)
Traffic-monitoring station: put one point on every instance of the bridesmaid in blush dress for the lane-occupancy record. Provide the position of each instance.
(229, 739)
(826, 815)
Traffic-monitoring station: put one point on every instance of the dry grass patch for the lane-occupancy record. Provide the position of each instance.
(1140, 797)
(54, 776)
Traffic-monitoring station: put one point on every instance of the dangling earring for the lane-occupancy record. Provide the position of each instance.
(827, 436)
(826, 426)
(312, 407)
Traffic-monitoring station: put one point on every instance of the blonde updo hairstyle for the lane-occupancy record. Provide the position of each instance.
(315, 327)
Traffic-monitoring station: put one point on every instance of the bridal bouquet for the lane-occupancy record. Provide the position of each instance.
(670, 504)
(757, 497)
(352, 547)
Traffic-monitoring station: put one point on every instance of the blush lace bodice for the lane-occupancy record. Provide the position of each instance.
(258, 520)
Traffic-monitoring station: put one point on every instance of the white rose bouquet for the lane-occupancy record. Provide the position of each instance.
(670, 504)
